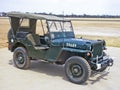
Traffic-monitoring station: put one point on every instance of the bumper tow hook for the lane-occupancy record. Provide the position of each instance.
(110, 62)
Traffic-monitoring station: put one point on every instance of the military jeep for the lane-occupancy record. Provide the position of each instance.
(52, 39)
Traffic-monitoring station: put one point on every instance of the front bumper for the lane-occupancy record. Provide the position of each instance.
(103, 63)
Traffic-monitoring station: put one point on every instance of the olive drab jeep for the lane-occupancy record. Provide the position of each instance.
(52, 39)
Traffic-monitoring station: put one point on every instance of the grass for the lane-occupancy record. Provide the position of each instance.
(79, 22)
(110, 41)
(107, 24)
(4, 27)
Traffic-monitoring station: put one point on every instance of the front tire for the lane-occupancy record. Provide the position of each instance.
(20, 58)
(77, 69)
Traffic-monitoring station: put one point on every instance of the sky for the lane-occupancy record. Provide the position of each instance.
(91, 7)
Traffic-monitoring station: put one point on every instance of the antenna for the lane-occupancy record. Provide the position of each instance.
(63, 19)
(63, 30)
(63, 15)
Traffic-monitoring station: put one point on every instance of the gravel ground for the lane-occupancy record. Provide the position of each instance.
(44, 76)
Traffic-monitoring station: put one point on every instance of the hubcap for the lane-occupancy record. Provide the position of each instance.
(20, 60)
(76, 70)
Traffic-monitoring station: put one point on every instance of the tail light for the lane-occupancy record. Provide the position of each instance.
(9, 46)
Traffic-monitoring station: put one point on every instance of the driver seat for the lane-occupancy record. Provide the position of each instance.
(35, 41)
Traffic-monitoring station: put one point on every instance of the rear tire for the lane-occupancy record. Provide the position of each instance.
(20, 58)
(77, 69)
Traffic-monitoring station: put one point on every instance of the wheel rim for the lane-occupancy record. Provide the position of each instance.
(20, 59)
(76, 71)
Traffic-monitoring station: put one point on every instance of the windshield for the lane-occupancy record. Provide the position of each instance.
(60, 29)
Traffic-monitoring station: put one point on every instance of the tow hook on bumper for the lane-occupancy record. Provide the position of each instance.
(106, 61)
(110, 62)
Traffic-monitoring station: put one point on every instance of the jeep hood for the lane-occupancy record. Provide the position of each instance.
(83, 44)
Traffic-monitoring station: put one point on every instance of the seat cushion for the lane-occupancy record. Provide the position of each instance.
(34, 39)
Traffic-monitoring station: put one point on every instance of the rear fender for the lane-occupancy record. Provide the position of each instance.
(17, 44)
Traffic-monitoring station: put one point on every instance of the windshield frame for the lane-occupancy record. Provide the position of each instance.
(62, 30)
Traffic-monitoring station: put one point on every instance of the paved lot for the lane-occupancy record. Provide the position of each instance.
(45, 76)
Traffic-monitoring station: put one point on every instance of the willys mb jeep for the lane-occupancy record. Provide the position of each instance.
(52, 39)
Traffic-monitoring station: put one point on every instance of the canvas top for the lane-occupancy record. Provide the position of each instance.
(34, 16)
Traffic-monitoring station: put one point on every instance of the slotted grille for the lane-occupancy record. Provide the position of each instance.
(97, 50)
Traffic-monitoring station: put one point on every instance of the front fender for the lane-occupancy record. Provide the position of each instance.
(69, 52)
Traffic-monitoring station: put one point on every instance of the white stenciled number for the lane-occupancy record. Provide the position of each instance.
(70, 45)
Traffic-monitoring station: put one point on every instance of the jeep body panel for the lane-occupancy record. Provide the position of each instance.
(57, 42)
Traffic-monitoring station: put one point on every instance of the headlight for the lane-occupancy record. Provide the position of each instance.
(89, 54)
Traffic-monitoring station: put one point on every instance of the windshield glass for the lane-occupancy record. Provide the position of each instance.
(56, 26)
(60, 29)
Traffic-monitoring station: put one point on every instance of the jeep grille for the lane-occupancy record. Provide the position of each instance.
(97, 50)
